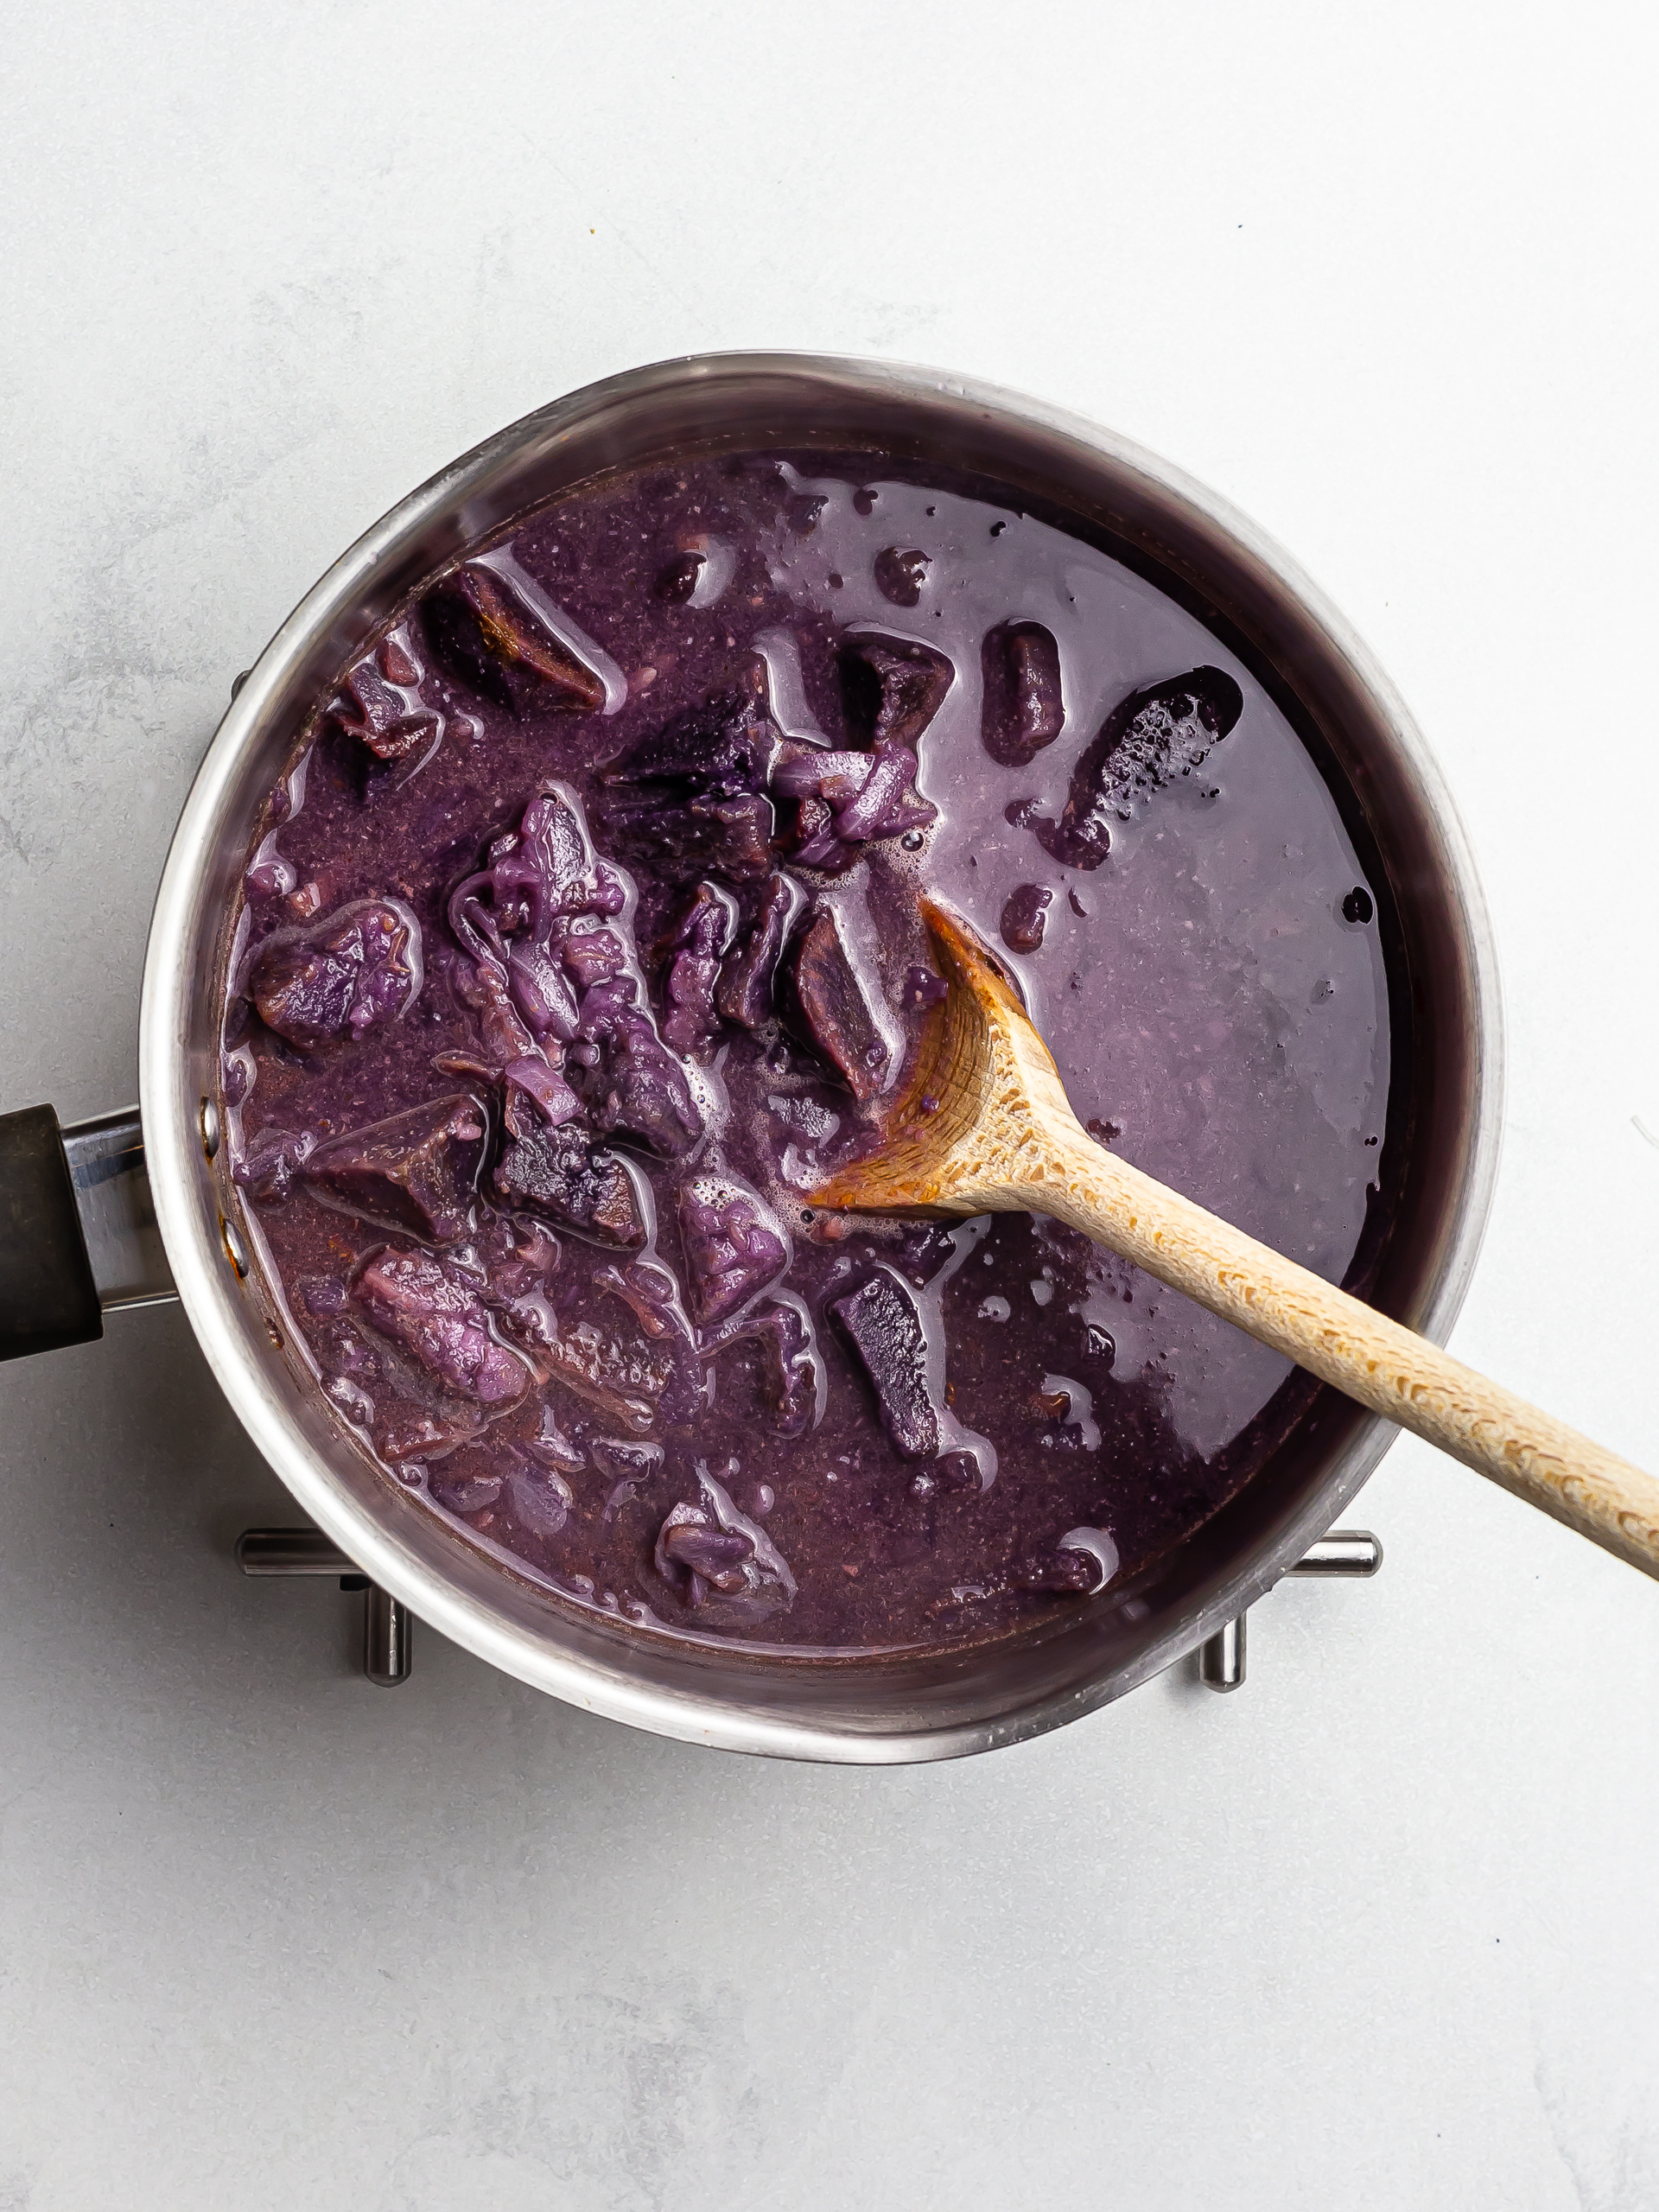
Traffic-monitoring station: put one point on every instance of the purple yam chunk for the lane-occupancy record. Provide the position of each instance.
(637, 1087)
(557, 1173)
(467, 1492)
(540, 1499)
(651, 1295)
(900, 574)
(414, 1172)
(439, 1320)
(720, 749)
(718, 1557)
(745, 991)
(623, 1384)
(380, 703)
(484, 987)
(834, 1013)
(735, 1246)
(551, 1448)
(1024, 917)
(482, 631)
(305, 993)
(537, 1095)
(267, 1168)
(834, 775)
(818, 783)
(383, 938)
(692, 1022)
(790, 1372)
(552, 839)
(545, 1001)
(627, 1458)
(879, 808)
(1148, 739)
(1023, 708)
(538, 878)
(591, 955)
(883, 1323)
(519, 1257)
(815, 832)
(708, 1551)
(790, 1368)
(709, 922)
(703, 936)
(343, 977)
(891, 688)
(625, 1480)
(729, 836)
(405, 1431)
(846, 798)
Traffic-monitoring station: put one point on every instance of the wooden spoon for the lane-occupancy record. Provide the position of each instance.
(984, 1126)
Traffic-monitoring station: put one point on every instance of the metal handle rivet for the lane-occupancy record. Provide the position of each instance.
(235, 1251)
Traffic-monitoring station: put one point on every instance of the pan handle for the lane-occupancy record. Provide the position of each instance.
(78, 1233)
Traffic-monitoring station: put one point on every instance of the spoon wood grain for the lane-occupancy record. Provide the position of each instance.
(984, 1126)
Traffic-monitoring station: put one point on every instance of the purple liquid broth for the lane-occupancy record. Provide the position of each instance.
(582, 940)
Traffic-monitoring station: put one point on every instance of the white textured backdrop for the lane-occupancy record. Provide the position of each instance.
(1376, 1932)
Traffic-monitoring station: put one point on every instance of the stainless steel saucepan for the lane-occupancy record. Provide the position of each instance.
(77, 1232)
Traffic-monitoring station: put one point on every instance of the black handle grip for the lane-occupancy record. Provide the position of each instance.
(48, 1297)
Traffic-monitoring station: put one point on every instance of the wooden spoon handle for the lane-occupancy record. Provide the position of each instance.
(1390, 1368)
